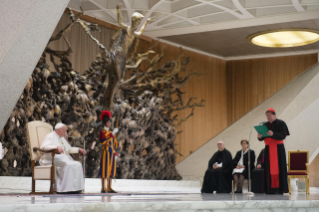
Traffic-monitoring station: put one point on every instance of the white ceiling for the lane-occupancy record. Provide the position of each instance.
(178, 17)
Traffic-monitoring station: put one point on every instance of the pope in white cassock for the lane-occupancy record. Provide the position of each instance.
(69, 173)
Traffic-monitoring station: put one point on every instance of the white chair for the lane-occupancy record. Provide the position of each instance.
(37, 130)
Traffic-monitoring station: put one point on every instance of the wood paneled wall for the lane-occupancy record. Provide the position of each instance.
(230, 89)
(84, 48)
(250, 82)
(314, 173)
(207, 121)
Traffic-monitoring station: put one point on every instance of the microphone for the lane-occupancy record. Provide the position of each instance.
(263, 122)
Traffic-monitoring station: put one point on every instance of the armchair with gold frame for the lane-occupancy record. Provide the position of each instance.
(298, 167)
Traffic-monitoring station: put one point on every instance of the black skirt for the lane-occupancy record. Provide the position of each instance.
(282, 164)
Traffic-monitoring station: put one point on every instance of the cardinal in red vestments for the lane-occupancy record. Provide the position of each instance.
(275, 165)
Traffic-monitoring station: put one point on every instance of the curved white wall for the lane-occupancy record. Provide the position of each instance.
(297, 104)
(25, 28)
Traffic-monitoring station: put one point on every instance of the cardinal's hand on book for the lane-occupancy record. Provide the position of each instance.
(271, 133)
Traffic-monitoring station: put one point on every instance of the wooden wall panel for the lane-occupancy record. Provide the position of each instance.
(207, 121)
(314, 172)
(84, 48)
(250, 82)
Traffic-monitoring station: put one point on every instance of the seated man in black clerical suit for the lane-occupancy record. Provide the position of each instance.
(218, 176)
(257, 175)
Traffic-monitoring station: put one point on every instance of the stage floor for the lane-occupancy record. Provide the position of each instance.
(163, 202)
(178, 197)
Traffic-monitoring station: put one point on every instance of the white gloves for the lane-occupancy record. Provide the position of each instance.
(115, 131)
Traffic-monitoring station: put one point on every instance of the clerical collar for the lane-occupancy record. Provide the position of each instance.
(107, 128)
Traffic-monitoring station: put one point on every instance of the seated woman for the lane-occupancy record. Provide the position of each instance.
(257, 174)
(240, 164)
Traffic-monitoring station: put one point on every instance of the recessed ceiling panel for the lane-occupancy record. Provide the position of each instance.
(273, 11)
(203, 10)
(163, 7)
(217, 18)
(263, 3)
(180, 24)
(308, 1)
(169, 20)
(311, 7)
(179, 5)
(140, 4)
(87, 5)
(226, 3)
(111, 4)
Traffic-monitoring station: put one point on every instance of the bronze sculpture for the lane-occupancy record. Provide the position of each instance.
(119, 51)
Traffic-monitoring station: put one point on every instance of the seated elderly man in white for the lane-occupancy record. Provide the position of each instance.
(69, 173)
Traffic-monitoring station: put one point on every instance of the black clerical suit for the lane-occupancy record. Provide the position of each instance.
(257, 175)
(220, 179)
(275, 183)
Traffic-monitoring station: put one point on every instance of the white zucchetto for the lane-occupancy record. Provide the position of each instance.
(59, 126)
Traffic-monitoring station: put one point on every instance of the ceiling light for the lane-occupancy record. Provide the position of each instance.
(284, 38)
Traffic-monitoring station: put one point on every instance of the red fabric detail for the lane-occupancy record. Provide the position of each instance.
(273, 160)
(298, 161)
(105, 113)
(271, 110)
(112, 136)
(297, 173)
(102, 135)
(115, 153)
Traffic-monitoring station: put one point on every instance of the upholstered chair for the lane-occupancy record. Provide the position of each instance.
(37, 130)
(298, 162)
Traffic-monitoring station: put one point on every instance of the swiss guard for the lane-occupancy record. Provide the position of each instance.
(108, 154)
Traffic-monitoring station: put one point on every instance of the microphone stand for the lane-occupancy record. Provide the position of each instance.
(249, 177)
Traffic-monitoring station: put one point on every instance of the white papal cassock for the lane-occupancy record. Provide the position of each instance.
(69, 173)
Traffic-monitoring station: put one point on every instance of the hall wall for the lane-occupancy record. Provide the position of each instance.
(230, 89)
(250, 82)
(207, 121)
(84, 48)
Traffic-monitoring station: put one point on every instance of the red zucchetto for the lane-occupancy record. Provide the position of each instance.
(271, 110)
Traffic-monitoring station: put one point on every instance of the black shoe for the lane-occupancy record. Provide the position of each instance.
(112, 191)
(74, 192)
(77, 192)
(103, 191)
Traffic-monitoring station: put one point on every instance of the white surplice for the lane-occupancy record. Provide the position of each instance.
(69, 173)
